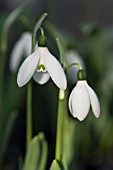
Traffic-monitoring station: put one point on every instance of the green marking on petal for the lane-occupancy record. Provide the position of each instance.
(41, 67)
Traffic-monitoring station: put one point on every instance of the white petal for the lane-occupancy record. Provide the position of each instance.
(94, 101)
(28, 68)
(70, 103)
(55, 70)
(41, 77)
(80, 100)
(16, 55)
(21, 47)
(42, 52)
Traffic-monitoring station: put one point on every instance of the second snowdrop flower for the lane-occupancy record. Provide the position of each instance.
(81, 97)
(21, 48)
(41, 65)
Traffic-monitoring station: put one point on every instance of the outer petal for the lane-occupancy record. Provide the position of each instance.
(22, 46)
(94, 101)
(28, 68)
(70, 103)
(41, 77)
(80, 100)
(55, 70)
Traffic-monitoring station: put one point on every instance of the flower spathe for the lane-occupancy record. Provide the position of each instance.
(80, 99)
(41, 65)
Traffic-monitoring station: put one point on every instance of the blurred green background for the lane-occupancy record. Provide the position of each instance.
(89, 30)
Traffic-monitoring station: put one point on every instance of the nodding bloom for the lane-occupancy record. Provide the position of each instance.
(41, 65)
(81, 97)
(72, 56)
(21, 48)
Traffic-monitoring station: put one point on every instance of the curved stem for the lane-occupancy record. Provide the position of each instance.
(29, 115)
(73, 64)
(36, 27)
(59, 135)
(42, 31)
(29, 86)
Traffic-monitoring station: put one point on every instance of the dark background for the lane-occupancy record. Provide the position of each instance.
(69, 15)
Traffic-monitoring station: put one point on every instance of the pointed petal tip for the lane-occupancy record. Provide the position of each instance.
(80, 118)
(19, 83)
(64, 87)
(97, 114)
(73, 114)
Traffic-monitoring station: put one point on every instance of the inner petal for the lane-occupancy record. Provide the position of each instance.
(41, 64)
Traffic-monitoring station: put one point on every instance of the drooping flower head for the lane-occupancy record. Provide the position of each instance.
(41, 65)
(82, 96)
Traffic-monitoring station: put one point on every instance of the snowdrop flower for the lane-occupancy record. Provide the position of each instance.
(41, 65)
(81, 97)
(73, 57)
(20, 49)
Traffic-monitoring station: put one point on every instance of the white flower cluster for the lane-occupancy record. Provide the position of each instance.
(41, 65)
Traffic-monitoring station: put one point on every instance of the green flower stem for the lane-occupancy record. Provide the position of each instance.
(59, 135)
(42, 31)
(29, 115)
(44, 152)
(29, 86)
(74, 64)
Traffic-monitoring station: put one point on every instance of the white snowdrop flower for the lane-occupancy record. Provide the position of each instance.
(41, 65)
(73, 57)
(81, 97)
(21, 48)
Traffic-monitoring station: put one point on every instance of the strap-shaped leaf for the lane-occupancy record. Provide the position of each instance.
(3, 48)
(6, 133)
(44, 152)
(8, 23)
(32, 155)
(36, 155)
(57, 165)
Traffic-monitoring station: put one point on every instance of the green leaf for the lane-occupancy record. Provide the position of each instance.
(9, 100)
(36, 27)
(8, 23)
(36, 156)
(32, 155)
(57, 165)
(6, 131)
(3, 48)
(44, 152)
(62, 52)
